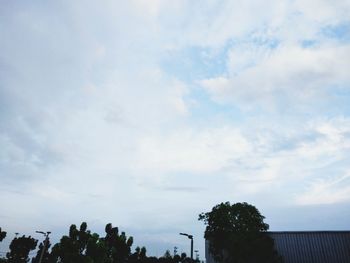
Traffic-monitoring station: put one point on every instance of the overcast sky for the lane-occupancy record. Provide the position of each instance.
(145, 113)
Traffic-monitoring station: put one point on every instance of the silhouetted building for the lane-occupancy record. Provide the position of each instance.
(308, 246)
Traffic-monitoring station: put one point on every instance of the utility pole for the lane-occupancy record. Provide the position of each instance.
(190, 237)
(46, 241)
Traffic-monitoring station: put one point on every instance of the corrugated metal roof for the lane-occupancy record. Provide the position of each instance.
(308, 246)
(313, 246)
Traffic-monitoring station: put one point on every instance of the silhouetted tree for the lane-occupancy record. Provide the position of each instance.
(82, 246)
(2, 234)
(67, 250)
(20, 248)
(96, 250)
(139, 256)
(176, 259)
(184, 258)
(142, 254)
(47, 257)
(79, 246)
(167, 254)
(168, 258)
(119, 246)
(237, 234)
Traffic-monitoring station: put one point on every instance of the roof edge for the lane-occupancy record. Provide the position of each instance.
(308, 231)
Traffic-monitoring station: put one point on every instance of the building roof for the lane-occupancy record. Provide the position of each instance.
(308, 246)
(313, 246)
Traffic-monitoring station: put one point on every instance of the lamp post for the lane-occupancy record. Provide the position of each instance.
(46, 241)
(190, 237)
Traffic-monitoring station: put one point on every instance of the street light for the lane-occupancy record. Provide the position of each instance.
(190, 237)
(46, 241)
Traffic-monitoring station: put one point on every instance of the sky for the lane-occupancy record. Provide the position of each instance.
(145, 113)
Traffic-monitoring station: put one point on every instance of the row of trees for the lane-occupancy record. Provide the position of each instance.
(82, 246)
(236, 234)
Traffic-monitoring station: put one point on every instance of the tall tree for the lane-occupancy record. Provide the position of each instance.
(119, 246)
(76, 247)
(84, 247)
(236, 233)
(67, 250)
(20, 248)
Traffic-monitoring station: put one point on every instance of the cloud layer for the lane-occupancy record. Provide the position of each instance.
(146, 113)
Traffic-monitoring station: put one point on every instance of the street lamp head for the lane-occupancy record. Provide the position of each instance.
(187, 235)
(45, 234)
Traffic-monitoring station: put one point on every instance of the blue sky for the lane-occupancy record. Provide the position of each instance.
(146, 113)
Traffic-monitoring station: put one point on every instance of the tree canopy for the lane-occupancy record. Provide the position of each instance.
(20, 248)
(236, 233)
(80, 245)
(2, 234)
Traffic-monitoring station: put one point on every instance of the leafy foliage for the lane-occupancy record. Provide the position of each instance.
(2, 234)
(82, 246)
(119, 246)
(236, 234)
(139, 255)
(47, 257)
(20, 248)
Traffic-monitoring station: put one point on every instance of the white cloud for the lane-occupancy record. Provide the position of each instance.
(92, 121)
(297, 74)
(326, 191)
(189, 150)
(331, 12)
